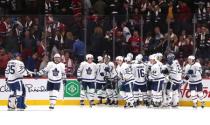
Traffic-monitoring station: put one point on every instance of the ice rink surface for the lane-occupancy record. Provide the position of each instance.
(103, 115)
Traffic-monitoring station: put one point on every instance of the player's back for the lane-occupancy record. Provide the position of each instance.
(126, 72)
(156, 73)
(15, 71)
(175, 71)
(139, 72)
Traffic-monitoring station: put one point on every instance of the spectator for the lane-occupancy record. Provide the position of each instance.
(11, 43)
(44, 62)
(4, 58)
(31, 62)
(97, 42)
(100, 7)
(69, 64)
(68, 41)
(135, 43)
(28, 45)
(185, 47)
(202, 43)
(79, 50)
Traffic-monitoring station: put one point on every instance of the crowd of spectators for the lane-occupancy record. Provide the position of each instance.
(167, 26)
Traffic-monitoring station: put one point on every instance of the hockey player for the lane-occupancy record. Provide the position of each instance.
(55, 71)
(193, 73)
(86, 75)
(14, 74)
(174, 72)
(111, 81)
(157, 79)
(121, 81)
(149, 83)
(127, 85)
(100, 79)
(140, 87)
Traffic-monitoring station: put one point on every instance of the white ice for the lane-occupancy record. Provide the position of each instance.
(100, 115)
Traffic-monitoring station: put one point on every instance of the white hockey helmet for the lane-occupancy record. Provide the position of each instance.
(191, 57)
(107, 56)
(89, 56)
(159, 56)
(57, 55)
(130, 55)
(128, 58)
(120, 58)
(100, 58)
(57, 58)
(152, 57)
(139, 58)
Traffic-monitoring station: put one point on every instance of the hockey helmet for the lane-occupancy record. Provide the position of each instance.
(89, 56)
(139, 58)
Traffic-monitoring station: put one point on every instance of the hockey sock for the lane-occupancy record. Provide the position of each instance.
(53, 97)
(194, 96)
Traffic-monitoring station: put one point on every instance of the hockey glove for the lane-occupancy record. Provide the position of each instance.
(107, 69)
(102, 74)
(36, 75)
(165, 71)
(190, 72)
(64, 82)
(79, 79)
(6, 80)
(106, 78)
(186, 77)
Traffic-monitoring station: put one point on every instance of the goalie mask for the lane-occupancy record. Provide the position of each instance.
(170, 58)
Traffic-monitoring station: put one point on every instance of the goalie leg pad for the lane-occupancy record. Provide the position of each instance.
(20, 102)
(175, 97)
(12, 102)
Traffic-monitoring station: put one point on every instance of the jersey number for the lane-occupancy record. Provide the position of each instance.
(11, 69)
(140, 73)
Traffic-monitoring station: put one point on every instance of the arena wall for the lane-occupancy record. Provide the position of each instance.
(37, 94)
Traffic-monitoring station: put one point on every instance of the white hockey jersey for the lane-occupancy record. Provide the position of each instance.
(175, 72)
(126, 73)
(156, 73)
(55, 72)
(119, 75)
(148, 66)
(100, 73)
(196, 77)
(15, 71)
(87, 71)
(112, 73)
(139, 71)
